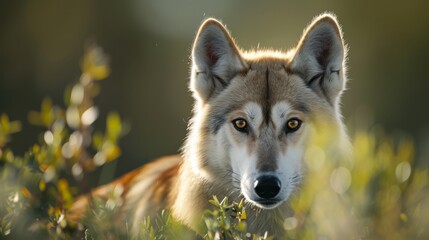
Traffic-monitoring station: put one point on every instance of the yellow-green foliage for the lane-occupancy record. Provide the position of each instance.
(379, 193)
(34, 189)
(375, 195)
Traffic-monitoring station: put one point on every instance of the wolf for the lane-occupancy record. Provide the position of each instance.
(255, 115)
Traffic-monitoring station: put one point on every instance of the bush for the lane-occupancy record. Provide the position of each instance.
(381, 194)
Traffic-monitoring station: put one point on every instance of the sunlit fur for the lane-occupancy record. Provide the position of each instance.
(265, 88)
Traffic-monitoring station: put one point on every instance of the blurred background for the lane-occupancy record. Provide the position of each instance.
(149, 42)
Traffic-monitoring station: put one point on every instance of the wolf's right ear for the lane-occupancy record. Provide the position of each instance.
(215, 60)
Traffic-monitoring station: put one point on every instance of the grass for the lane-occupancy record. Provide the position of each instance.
(380, 194)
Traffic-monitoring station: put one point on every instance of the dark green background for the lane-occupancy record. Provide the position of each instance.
(148, 42)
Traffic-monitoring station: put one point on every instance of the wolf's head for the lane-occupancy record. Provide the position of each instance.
(256, 112)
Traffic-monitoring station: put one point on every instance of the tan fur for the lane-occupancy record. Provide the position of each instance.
(223, 80)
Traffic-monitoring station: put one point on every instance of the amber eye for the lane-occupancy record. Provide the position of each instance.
(240, 125)
(292, 125)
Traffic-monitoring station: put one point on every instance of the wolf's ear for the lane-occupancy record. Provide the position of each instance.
(215, 60)
(320, 58)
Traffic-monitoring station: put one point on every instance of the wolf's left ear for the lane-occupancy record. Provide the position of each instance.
(320, 58)
(215, 60)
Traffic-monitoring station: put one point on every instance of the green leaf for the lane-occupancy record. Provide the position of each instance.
(114, 126)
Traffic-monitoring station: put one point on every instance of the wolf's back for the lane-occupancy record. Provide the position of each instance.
(140, 193)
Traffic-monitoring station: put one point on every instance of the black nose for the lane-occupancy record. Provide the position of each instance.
(267, 186)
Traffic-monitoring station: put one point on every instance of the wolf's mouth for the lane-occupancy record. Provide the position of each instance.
(268, 203)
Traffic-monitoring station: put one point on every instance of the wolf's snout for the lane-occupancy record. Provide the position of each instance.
(267, 186)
